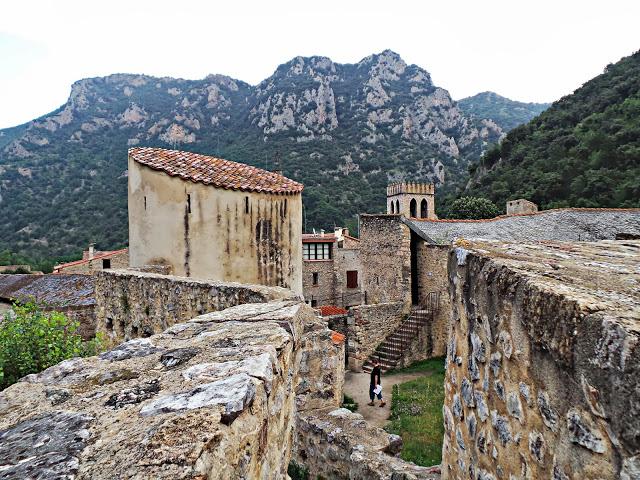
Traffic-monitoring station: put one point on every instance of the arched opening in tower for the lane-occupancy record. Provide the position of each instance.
(413, 208)
(424, 209)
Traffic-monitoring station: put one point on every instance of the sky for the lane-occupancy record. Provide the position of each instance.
(527, 50)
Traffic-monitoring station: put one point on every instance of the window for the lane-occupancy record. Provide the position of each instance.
(106, 263)
(352, 279)
(316, 251)
(145, 202)
(413, 208)
(393, 207)
(315, 277)
(314, 303)
(246, 204)
(188, 203)
(397, 207)
(424, 209)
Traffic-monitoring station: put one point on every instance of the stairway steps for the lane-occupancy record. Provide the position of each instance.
(390, 351)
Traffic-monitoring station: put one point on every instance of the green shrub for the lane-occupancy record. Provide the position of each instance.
(472, 208)
(32, 340)
(297, 472)
(349, 403)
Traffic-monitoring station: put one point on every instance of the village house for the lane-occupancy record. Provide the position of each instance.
(94, 261)
(71, 294)
(199, 216)
(331, 269)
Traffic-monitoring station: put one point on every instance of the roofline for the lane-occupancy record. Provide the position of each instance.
(414, 228)
(352, 238)
(188, 179)
(529, 214)
(87, 260)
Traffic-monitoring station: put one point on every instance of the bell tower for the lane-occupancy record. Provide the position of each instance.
(413, 200)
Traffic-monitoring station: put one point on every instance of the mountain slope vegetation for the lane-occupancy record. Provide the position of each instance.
(344, 130)
(584, 151)
(507, 113)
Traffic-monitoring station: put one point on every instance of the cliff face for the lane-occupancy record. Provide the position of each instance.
(335, 127)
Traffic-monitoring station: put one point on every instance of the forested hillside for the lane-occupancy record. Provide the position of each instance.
(584, 151)
(507, 113)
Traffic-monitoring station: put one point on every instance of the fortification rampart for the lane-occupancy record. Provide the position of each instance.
(133, 304)
(543, 362)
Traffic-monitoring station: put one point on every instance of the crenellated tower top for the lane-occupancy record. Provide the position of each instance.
(411, 199)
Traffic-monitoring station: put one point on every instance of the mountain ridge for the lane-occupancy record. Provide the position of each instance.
(344, 130)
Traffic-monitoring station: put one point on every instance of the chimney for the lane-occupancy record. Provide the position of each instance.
(91, 250)
(321, 232)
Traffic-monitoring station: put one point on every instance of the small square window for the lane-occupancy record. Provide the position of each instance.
(106, 263)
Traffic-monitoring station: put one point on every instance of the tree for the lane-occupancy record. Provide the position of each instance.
(472, 208)
(32, 340)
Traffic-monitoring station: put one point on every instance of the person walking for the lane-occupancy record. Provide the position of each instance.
(375, 385)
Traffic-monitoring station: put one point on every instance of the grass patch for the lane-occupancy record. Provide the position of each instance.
(416, 413)
(349, 403)
(435, 365)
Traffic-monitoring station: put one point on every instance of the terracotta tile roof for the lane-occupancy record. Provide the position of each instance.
(99, 256)
(328, 310)
(213, 171)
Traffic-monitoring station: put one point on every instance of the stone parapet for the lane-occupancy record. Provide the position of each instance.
(341, 444)
(212, 398)
(132, 304)
(543, 361)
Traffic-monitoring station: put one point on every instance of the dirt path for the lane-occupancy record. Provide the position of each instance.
(356, 385)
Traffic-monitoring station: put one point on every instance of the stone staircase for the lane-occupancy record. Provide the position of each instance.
(392, 349)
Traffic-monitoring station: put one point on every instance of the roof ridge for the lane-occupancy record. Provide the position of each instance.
(528, 214)
(215, 171)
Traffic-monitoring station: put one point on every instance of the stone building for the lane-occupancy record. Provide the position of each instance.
(331, 269)
(95, 261)
(404, 263)
(205, 217)
(70, 294)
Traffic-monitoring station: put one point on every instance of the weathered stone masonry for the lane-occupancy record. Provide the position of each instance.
(543, 363)
(131, 304)
(212, 398)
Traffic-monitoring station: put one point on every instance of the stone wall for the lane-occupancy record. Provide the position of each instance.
(321, 363)
(210, 398)
(368, 326)
(385, 253)
(131, 304)
(433, 291)
(324, 292)
(543, 364)
(339, 444)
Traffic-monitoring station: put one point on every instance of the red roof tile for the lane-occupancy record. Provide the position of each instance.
(213, 171)
(328, 310)
(100, 256)
(337, 338)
